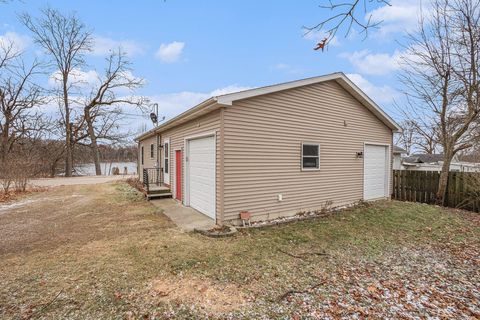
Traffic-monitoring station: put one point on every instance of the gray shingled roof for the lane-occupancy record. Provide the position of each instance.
(423, 158)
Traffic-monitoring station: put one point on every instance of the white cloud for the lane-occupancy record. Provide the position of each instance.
(103, 46)
(380, 94)
(172, 104)
(86, 81)
(78, 77)
(19, 42)
(374, 63)
(399, 16)
(228, 89)
(170, 52)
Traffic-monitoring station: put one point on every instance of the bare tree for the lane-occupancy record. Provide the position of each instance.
(405, 139)
(426, 138)
(66, 40)
(20, 117)
(19, 96)
(418, 137)
(102, 111)
(440, 73)
(347, 15)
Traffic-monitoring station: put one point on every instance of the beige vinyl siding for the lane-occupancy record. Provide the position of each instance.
(209, 123)
(262, 153)
(149, 162)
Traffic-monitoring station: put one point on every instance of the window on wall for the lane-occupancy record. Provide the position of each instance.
(142, 156)
(167, 155)
(310, 156)
(152, 151)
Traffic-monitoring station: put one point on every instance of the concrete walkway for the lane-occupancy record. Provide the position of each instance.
(185, 218)
(69, 181)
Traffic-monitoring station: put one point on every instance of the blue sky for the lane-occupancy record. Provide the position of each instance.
(188, 50)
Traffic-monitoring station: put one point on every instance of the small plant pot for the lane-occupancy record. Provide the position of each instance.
(245, 215)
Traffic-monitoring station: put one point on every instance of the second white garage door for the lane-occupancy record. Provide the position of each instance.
(376, 171)
(201, 175)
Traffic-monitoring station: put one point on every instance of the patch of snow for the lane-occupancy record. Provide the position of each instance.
(14, 205)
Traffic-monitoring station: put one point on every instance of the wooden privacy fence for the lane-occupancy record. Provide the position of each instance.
(422, 186)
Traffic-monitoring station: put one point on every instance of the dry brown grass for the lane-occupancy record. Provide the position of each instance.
(102, 251)
(73, 216)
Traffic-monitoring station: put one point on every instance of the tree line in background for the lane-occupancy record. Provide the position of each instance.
(35, 143)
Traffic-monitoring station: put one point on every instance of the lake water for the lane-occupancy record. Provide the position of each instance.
(89, 168)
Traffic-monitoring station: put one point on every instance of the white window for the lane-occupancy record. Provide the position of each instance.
(152, 151)
(310, 156)
(167, 155)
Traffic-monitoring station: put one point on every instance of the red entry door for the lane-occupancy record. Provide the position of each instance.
(178, 174)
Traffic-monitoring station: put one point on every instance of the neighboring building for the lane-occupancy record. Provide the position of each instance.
(397, 157)
(276, 150)
(434, 162)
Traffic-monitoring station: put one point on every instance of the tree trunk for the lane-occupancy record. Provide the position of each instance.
(68, 128)
(443, 183)
(93, 144)
(53, 170)
(4, 148)
(53, 167)
(68, 152)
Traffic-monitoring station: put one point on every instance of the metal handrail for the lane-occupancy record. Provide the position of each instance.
(152, 176)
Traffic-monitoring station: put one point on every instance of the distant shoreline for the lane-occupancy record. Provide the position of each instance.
(88, 169)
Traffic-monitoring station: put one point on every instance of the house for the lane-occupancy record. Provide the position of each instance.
(397, 157)
(273, 151)
(434, 162)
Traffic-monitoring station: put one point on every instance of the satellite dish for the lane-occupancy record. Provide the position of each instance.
(154, 118)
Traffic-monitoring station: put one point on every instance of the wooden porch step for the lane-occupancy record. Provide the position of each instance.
(159, 195)
(159, 191)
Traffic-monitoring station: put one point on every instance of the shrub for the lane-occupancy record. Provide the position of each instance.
(16, 172)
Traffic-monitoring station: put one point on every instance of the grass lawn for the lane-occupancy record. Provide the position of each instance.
(102, 251)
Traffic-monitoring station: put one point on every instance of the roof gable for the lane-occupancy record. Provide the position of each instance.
(339, 77)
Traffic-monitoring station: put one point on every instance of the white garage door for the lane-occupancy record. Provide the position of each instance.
(201, 175)
(376, 172)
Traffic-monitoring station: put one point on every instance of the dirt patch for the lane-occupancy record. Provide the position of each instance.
(72, 215)
(201, 292)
